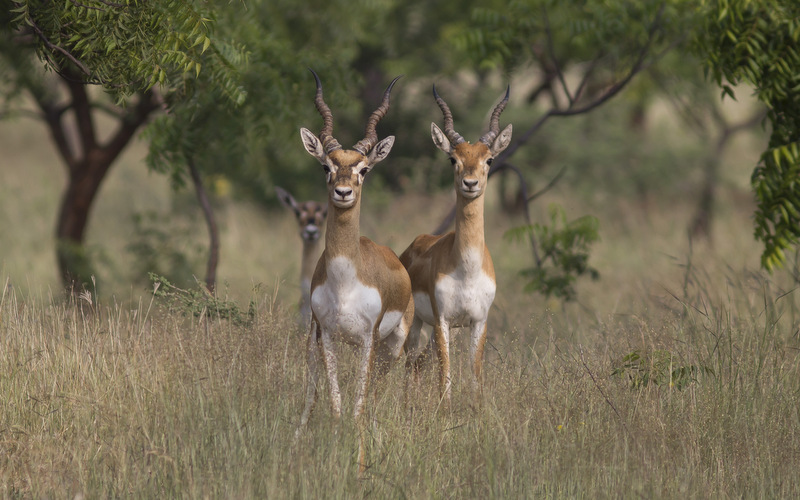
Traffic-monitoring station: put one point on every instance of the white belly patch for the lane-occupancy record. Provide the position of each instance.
(346, 307)
(464, 296)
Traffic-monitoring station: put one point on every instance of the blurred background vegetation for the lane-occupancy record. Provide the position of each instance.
(141, 137)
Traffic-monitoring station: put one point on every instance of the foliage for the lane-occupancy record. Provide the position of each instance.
(565, 253)
(156, 248)
(129, 46)
(551, 33)
(659, 367)
(756, 42)
(200, 302)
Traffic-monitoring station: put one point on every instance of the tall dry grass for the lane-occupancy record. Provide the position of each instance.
(139, 400)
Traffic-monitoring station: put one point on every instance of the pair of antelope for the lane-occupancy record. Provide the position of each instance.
(361, 293)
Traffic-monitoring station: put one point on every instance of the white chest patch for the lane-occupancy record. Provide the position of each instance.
(464, 296)
(346, 307)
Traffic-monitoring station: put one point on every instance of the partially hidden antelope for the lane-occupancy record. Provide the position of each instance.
(452, 275)
(360, 292)
(310, 216)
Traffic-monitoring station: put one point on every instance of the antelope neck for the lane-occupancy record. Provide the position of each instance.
(310, 253)
(343, 234)
(469, 224)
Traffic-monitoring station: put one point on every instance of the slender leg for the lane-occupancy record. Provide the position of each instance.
(366, 358)
(367, 355)
(476, 345)
(329, 356)
(441, 334)
(413, 352)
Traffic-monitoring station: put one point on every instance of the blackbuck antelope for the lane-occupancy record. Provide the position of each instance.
(310, 216)
(360, 292)
(452, 275)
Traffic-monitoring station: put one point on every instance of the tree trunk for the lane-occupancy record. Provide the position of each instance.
(87, 161)
(211, 222)
(83, 184)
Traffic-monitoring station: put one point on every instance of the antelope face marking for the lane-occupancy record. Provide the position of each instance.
(471, 164)
(345, 170)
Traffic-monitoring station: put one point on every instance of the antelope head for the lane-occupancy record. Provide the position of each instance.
(471, 161)
(346, 168)
(310, 214)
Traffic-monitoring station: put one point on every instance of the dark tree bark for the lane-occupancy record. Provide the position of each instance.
(700, 226)
(211, 222)
(88, 161)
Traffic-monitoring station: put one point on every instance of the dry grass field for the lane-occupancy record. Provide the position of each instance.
(676, 375)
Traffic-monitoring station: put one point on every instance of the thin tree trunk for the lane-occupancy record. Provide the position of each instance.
(211, 222)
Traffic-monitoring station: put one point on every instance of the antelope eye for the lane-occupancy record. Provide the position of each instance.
(326, 168)
(452, 160)
(489, 161)
(363, 171)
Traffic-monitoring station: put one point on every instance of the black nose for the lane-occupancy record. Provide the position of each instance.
(343, 192)
(470, 183)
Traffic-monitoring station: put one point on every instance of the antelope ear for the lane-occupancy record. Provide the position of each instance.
(502, 141)
(439, 139)
(381, 150)
(312, 144)
(287, 199)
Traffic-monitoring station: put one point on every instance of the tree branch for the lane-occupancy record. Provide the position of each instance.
(571, 110)
(133, 119)
(56, 48)
(213, 231)
(83, 115)
(552, 52)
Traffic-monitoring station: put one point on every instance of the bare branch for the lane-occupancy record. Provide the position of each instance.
(552, 52)
(211, 222)
(523, 186)
(548, 187)
(571, 110)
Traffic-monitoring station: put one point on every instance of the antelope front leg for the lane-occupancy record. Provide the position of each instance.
(476, 345)
(441, 335)
(367, 357)
(329, 356)
(413, 353)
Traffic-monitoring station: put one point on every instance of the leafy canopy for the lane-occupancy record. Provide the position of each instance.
(129, 46)
(755, 42)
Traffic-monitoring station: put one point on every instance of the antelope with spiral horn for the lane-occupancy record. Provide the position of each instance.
(360, 292)
(452, 275)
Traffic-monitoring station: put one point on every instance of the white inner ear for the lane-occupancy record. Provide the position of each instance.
(286, 198)
(312, 144)
(381, 150)
(439, 139)
(502, 141)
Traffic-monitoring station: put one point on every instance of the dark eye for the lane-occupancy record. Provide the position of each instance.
(489, 161)
(452, 160)
(363, 171)
(326, 168)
